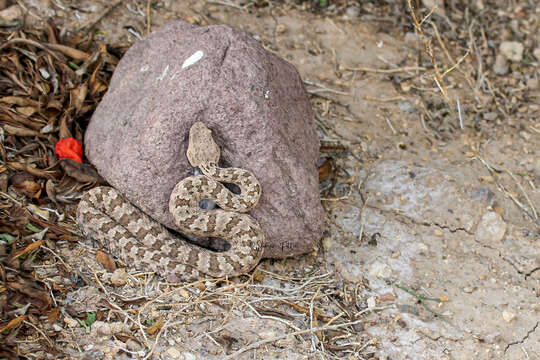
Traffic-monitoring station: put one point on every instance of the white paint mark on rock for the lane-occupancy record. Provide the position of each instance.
(164, 73)
(193, 59)
(144, 68)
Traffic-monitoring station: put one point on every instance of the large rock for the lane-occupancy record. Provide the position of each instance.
(253, 101)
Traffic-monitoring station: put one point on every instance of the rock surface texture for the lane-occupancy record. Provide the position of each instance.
(253, 101)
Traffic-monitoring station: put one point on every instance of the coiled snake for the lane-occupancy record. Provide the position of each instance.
(129, 234)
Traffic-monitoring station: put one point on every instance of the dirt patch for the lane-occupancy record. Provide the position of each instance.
(430, 189)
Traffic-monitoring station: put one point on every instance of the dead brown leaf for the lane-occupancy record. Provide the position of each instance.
(80, 171)
(105, 259)
(52, 315)
(152, 329)
(48, 174)
(28, 249)
(21, 131)
(325, 170)
(12, 323)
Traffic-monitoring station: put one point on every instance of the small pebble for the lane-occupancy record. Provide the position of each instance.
(133, 345)
(536, 53)
(173, 352)
(492, 338)
(500, 67)
(512, 50)
(508, 316)
(525, 135)
(491, 228)
(490, 116)
(119, 277)
(380, 270)
(71, 322)
(11, 13)
(406, 106)
(281, 29)
(352, 12)
(412, 38)
(532, 83)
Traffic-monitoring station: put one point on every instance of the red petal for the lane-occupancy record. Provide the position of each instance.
(69, 148)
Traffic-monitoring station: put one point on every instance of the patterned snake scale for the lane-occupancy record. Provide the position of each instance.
(129, 234)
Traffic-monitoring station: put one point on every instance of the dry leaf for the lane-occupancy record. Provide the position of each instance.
(80, 171)
(12, 323)
(29, 188)
(53, 314)
(152, 329)
(34, 171)
(26, 110)
(325, 170)
(20, 131)
(105, 259)
(28, 249)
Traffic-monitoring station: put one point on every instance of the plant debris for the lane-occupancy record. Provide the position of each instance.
(50, 84)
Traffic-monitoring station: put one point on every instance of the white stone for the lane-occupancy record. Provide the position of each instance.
(380, 270)
(508, 316)
(491, 228)
(536, 53)
(512, 50)
(173, 352)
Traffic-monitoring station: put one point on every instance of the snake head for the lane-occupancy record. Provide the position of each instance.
(202, 149)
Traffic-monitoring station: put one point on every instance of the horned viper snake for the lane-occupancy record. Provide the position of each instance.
(128, 233)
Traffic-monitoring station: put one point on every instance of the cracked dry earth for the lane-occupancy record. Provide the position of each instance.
(411, 209)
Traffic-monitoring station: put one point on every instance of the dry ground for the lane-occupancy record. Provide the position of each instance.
(429, 177)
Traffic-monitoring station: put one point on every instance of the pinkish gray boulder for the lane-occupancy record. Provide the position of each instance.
(253, 101)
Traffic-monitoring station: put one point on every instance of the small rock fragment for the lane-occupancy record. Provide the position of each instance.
(437, 5)
(492, 338)
(491, 228)
(512, 50)
(413, 39)
(281, 29)
(119, 277)
(371, 302)
(380, 270)
(490, 116)
(173, 352)
(352, 12)
(100, 328)
(508, 316)
(71, 322)
(133, 345)
(500, 67)
(532, 83)
(525, 135)
(536, 53)
(11, 13)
